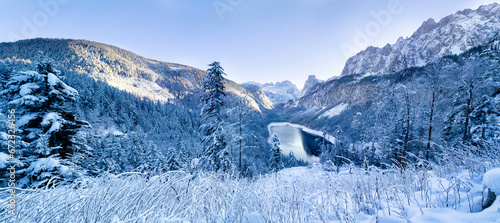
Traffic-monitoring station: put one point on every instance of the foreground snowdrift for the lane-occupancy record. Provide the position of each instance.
(302, 194)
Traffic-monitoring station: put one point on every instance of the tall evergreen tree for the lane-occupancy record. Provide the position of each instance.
(484, 122)
(45, 126)
(215, 153)
(276, 162)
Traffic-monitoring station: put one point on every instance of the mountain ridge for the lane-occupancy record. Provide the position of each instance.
(146, 78)
(453, 34)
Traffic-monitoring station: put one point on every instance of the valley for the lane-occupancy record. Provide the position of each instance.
(408, 132)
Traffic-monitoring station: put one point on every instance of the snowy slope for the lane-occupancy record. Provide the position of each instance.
(300, 194)
(122, 69)
(453, 34)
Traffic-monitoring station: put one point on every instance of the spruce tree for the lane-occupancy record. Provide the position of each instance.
(276, 162)
(484, 122)
(212, 98)
(45, 124)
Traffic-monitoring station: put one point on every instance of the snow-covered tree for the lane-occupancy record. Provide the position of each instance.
(173, 161)
(276, 162)
(212, 98)
(457, 124)
(45, 125)
(484, 122)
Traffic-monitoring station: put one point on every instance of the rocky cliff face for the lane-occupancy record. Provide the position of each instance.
(353, 90)
(310, 82)
(453, 34)
(376, 72)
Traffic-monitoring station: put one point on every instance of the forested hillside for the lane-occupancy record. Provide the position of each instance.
(419, 112)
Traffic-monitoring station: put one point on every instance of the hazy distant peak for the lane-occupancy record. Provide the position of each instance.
(279, 92)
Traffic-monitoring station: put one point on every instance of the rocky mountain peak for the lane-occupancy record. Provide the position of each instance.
(310, 82)
(453, 34)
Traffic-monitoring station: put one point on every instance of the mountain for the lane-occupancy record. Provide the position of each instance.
(310, 82)
(441, 55)
(377, 111)
(453, 34)
(122, 69)
(279, 92)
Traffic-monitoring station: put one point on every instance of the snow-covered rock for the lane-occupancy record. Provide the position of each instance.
(453, 34)
(491, 180)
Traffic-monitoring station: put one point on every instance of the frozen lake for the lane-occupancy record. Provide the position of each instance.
(298, 139)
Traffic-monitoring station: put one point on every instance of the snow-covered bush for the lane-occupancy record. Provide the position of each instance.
(301, 194)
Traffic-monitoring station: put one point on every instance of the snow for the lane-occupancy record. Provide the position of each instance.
(27, 88)
(172, 67)
(50, 118)
(69, 90)
(335, 110)
(300, 194)
(44, 164)
(4, 136)
(64, 170)
(47, 165)
(25, 119)
(52, 79)
(56, 126)
(117, 132)
(4, 160)
(21, 78)
(491, 179)
(55, 119)
(455, 50)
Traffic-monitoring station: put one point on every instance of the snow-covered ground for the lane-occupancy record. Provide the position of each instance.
(301, 194)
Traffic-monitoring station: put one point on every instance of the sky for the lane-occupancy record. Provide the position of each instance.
(254, 40)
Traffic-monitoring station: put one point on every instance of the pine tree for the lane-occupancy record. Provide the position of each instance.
(276, 162)
(212, 98)
(172, 160)
(46, 125)
(484, 122)
(155, 159)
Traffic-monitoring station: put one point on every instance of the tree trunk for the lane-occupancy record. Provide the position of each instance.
(433, 99)
(467, 114)
(407, 129)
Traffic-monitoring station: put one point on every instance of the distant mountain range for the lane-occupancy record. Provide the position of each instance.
(279, 92)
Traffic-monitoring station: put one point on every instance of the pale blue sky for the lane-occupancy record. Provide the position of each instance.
(255, 40)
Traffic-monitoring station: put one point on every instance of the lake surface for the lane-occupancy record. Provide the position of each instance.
(293, 138)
